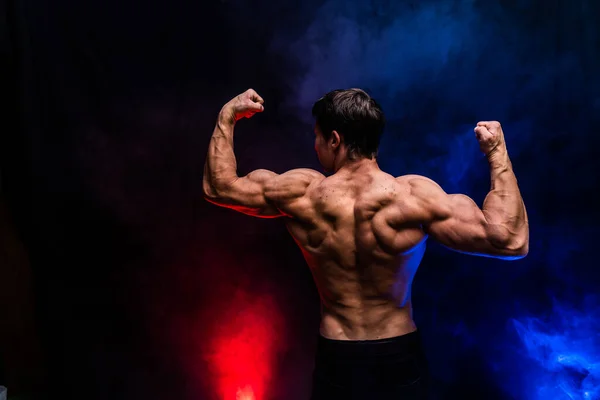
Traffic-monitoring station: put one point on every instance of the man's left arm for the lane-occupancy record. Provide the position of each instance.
(261, 193)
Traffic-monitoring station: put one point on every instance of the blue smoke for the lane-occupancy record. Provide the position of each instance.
(564, 346)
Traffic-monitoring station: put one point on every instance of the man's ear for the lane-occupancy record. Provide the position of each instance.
(336, 140)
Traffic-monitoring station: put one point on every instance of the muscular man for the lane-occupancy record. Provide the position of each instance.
(363, 232)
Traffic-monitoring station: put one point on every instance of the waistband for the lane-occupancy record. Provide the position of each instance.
(403, 344)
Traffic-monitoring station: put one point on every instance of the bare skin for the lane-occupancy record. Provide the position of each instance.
(363, 231)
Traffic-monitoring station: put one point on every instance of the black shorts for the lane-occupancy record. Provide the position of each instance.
(394, 368)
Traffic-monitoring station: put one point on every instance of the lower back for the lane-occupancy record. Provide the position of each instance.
(367, 302)
(380, 322)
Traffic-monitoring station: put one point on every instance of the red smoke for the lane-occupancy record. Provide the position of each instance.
(243, 346)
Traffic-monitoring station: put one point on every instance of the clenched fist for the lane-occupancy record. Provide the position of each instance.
(244, 105)
(490, 137)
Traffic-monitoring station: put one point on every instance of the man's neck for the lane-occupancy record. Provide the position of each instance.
(354, 164)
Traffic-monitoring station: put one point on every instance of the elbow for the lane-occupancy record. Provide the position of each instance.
(520, 242)
(210, 192)
(207, 189)
(519, 253)
(523, 250)
(215, 188)
(510, 245)
(212, 196)
(515, 248)
(216, 194)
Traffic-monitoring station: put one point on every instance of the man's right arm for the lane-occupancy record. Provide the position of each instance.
(499, 229)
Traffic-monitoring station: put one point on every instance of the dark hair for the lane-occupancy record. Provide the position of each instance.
(355, 116)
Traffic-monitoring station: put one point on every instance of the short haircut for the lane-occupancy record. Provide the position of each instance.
(356, 116)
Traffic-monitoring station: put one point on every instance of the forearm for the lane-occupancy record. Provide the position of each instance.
(220, 169)
(503, 207)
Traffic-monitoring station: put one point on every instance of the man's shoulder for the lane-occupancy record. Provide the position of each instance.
(415, 179)
(305, 172)
(293, 183)
(420, 187)
(302, 176)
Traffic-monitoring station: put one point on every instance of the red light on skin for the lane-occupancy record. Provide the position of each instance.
(245, 343)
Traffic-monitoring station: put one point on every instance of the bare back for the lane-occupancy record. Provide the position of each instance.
(363, 243)
(363, 231)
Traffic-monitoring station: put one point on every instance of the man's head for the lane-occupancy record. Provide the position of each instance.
(349, 125)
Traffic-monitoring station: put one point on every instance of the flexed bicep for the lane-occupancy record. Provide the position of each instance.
(457, 222)
(265, 194)
(247, 195)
